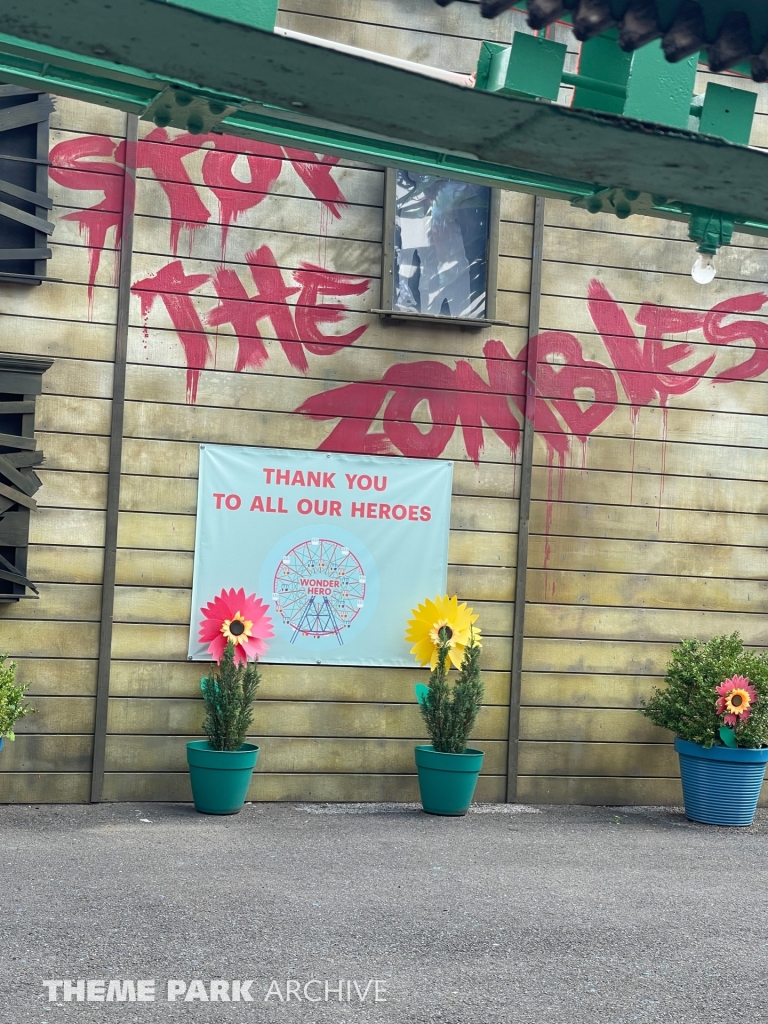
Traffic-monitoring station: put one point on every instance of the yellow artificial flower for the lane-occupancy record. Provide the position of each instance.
(237, 629)
(737, 702)
(432, 616)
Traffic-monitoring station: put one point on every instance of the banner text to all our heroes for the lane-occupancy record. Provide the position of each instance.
(326, 506)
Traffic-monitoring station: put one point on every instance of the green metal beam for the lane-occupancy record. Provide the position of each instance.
(125, 54)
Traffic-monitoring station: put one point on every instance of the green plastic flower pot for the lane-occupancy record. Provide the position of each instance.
(447, 781)
(220, 778)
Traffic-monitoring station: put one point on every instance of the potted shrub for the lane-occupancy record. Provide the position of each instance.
(443, 633)
(716, 703)
(12, 703)
(220, 768)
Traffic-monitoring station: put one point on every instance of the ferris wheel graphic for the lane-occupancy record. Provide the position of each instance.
(319, 589)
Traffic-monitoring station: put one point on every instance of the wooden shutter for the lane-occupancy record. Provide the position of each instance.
(24, 204)
(21, 381)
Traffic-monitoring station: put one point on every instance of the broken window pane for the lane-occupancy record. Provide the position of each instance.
(441, 246)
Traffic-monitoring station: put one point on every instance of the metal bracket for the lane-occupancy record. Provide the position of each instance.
(179, 108)
(621, 202)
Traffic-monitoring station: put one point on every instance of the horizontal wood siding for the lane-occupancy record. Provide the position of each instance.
(650, 528)
(55, 638)
(650, 479)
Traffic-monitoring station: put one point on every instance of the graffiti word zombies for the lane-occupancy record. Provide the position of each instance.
(417, 406)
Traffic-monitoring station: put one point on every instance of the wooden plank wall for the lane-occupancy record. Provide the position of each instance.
(326, 733)
(648, 524)
(653, 528)
(55, 639)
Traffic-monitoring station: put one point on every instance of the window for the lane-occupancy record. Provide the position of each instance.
(21, 380)
(24, 202)
(440, 248)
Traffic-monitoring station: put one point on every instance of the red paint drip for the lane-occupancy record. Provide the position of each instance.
(173, 287)
(316, 175)
(93, 163)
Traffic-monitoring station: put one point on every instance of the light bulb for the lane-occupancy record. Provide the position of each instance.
(703, 270)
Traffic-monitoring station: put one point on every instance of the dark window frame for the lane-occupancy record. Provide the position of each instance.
(24, 208)
(387, 311)
(21, 381)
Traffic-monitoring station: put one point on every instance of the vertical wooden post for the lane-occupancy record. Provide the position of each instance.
(526, 474)
(115, 460)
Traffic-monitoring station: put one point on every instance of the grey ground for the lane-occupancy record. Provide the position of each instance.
(545, 915)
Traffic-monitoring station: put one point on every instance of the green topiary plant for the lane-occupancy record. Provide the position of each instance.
(12, 703)
(716, 692)
(450, 712)
(229, 696)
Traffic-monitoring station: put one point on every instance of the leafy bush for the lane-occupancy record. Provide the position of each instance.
(687, 705)
(12, 703)
(229, 697)
(450, 712)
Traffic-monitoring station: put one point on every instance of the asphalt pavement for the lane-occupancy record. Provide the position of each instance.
(380, 914)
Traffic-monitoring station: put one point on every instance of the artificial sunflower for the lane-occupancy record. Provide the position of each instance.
(735, 700)
(242, 620)
(430, 618)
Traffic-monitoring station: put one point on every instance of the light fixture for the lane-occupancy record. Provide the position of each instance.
(703, 271)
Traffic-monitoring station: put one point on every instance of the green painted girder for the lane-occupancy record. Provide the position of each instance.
(124, 54)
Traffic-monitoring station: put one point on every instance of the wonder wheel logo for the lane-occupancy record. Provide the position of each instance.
(319, 589)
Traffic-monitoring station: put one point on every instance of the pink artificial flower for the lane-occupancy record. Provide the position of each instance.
(735, 700)
(243, 620)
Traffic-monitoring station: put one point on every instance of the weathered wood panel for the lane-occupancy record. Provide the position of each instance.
(77, 527)
(60, 602)
(157, 457)
(158, 494)
(646, 760)
(649, 625)
(162, 605)
(161, 716)
(72, 490)
(289, 755)
(74, 115)
(592, 690)
(77, 452)
(169, 643)
(618, 792)
(286, 682)
(63, 677)
(45, 787)
(38, 753)
(58, 339)
(49, 563)
(598, 554)
(585, 725)
(634, 590)
(48, 639)
(131, 786)
(647, 528)
(150, 567)
(601, 656)
(57, 715)
(462, 20)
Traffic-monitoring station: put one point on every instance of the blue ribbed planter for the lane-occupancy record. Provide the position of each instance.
(721, 785)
